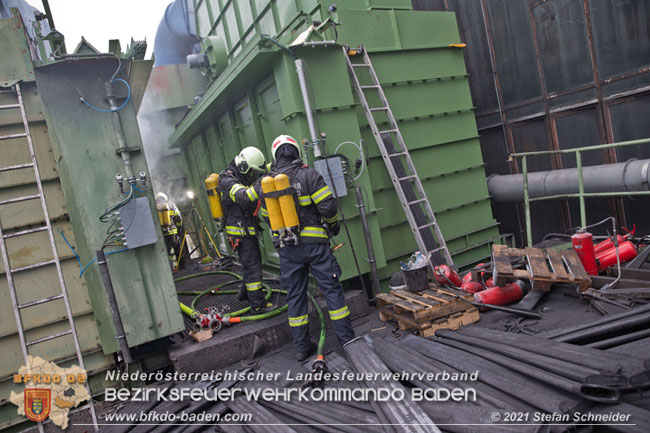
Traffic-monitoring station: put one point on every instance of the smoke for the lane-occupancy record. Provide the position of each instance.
(169, 91)
(166, 166)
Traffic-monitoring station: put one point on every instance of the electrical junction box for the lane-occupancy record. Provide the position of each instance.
(337, 180)
(137, 220)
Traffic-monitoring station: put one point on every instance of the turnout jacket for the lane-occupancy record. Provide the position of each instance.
(315, 203)
(239, 201)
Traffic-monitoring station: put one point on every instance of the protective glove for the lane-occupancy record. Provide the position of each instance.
(333, 228)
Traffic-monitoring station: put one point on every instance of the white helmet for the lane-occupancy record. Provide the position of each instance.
(284, 139)
(161, 195)
(250, 157)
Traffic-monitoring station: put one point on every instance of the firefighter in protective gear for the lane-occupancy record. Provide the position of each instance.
(240, 199)
(318, 217)
(171, 223)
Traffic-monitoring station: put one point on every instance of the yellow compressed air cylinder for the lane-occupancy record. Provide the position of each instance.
(272, 204)
(211, 183)
(287, 203)
(163, 215)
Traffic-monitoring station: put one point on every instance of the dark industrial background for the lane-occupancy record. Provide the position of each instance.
(557, 74)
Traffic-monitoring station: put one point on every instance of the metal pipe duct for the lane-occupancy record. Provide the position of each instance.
(175, 37)
(406, 415)
(633, 175)
(304, 90)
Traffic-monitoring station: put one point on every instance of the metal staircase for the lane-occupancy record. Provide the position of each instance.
(398, 161)
(25, 344)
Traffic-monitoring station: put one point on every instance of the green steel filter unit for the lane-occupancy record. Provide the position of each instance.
(254, 95)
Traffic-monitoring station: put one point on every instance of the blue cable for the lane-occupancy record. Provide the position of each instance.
(75, 253)
(128, 98)
(93, 260)
(138, 190)
(82, 270)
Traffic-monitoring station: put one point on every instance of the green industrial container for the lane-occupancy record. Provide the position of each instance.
(75, 148)
(420, 64)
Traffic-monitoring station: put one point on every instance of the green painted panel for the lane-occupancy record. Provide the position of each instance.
(245, 14)
(16, 64)
(231, 22)
(87, 164)
(245, 126)
(229, 141)
(29, 287)
(425, 81)
(215, 149)
(204, 22)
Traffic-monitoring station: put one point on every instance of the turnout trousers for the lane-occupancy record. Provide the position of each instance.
(295, 263)
(250, 257)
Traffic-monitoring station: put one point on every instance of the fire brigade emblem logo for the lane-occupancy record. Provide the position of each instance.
(37, 404)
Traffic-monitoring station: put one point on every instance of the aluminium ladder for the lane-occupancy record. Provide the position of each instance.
(25, 345)
(400, 166)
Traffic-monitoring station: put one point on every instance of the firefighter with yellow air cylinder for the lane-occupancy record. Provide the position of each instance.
(302, 213)
(171, 223)
(239, 201)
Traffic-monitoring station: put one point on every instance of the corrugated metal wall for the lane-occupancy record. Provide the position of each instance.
(557, 74)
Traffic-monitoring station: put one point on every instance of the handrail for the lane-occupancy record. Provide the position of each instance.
(581, 190)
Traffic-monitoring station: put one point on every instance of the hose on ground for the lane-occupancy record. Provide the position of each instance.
(235, 317)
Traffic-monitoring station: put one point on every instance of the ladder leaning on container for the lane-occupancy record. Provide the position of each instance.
(398, 161)
(25, 345)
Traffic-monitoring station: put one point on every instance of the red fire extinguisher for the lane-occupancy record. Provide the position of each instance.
(626, 252)
(468, 276)
(445, 275)
(607, 244)
(472, 287)
(583, 244)
(507, 294)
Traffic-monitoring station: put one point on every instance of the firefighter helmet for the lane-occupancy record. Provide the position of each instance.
(250, 157)
(284, 139)
(161, 195)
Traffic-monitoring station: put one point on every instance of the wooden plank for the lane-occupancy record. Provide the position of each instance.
(415, 298)
(437, 296)
(501, 259)
(519, 274)
(453, 322)
(455, 293)
(538, 266)
(400, 304)
(575, 267)
(557, 264)
(383, 299)
(517, 252)
(403, 320)
(417, 309)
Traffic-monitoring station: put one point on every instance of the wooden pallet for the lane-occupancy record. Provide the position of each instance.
(426, 311)
(423, 306)
(543, 267)
(428, 329)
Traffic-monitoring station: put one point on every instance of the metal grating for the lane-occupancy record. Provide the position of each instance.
(224, 303)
